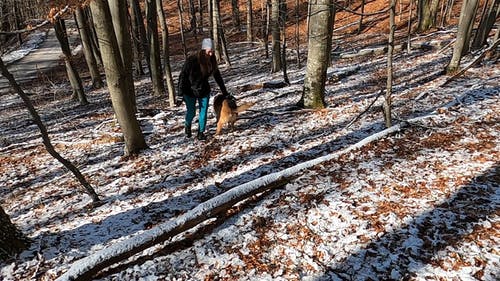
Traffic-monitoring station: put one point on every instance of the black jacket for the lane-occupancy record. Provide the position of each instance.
(193, 83)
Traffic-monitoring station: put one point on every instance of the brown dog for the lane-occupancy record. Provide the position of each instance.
(226, 111)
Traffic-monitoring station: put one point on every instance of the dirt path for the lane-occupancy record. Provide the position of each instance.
(41, 60)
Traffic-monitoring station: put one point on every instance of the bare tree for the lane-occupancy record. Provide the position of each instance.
(181, 24)
(318, 54)
(118, 9)
(12, 241)
(388, 93)
(84, 31)
(166, 53)
(275, 32)
(45, 135)
(466, 21)
(220, 44)
(249, 21)
(115, 75)
(73, 76)
(427, 13)
(360, 25)
(283, 16)
(154, 48)
(140, 32)
(235, 9)
(192, 12)
(488, 18)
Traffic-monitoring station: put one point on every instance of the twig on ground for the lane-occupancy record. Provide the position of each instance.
(366, 110)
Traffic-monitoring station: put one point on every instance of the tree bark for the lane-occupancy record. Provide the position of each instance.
(136, 41)
(84, 31)
(275, 33)
(166, 53)
(249, 21)
(486, 24)
(465, 23)
(45, 135)
(154, 48)
(115, 76)
(427, 13)
(283, 11)
(215, 30)
(297, 31)
(93, 36)
(12, 241)
(118, 9)
(317, 56)
(388, 94)
(139, 20)
(192, 13)
(181, 25)
(74, 78)
(235, 10)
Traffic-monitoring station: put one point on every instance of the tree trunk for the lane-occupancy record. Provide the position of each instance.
(115, 76)
(249, 21)
(45, 135)
(388, 94)
(93, 37)
(427, 12)
(136, 41)
(181, 24)
(74, 78)
(266, 26)
(192, 13)
(84, 31)
(222, 36)
(118, 9)
(166, 53)
(154, 48)
(486, 24)
(200, 10)
(139, 20)
(17, 20)
(275, 32)
(360, 25)
(317, 56)
(12, 241)
(465, 23)
(283, 11)
(235, 10)
(297, 32)
(215, 29)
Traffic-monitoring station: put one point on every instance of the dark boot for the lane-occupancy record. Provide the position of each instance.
(187, 130)
(201, 136)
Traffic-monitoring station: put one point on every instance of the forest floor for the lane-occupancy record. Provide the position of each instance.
(420, 204)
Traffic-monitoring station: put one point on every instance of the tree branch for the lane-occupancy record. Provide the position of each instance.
(57, 15)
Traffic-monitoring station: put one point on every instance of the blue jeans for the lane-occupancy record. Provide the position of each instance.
(191, 111)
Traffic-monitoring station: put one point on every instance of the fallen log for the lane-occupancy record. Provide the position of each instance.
(86, 268)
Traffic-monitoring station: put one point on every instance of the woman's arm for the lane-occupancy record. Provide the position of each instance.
(184, 78)
(218, 77)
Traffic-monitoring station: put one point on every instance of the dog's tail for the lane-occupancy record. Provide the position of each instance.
(244, 106)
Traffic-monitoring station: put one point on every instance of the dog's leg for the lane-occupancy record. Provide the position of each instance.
(219, 127)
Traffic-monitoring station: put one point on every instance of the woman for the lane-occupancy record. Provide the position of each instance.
(194, 86)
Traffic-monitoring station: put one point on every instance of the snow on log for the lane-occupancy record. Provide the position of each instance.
(85, 268)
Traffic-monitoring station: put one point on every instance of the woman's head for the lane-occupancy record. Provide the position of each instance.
(208, 46)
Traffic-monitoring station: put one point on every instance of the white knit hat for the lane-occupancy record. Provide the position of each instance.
(207, 43)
